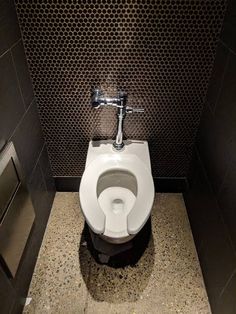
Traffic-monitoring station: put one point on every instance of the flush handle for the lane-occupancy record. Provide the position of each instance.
(134, 110)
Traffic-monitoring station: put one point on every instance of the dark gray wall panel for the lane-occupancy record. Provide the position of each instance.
(9, 28)
(217, 75)
(225, 109)
(47, 171)
(28, 139)
(22, 72)
(215, 147)
(215, 193)
(11, 103)
(7, 293)
(214, 246)
(227, 198)
(19, 122)
(229, 27)
(217, 143)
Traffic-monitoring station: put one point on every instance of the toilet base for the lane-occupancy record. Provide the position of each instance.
(118, 255)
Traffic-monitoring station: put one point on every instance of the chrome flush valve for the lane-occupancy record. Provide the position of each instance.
(120, 101)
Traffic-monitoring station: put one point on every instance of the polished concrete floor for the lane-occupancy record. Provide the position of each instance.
(167, 278)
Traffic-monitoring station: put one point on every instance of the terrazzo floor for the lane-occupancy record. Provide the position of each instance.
(167, 279)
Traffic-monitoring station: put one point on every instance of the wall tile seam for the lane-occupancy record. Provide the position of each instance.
(12, 46)
(188, 166)
(230, 138)
(46, 144)
(226, 46)
(18, 80)
(40, 119)
(18, 125)
(225, 175)
(203, 100)
(226, 138)
(219, 210)
(37, 162)
(221, 83)
(222, 183)
(42, 173)
(227, 283)
(21, 120)
(220, 207)
(209, 106)
(26, 58)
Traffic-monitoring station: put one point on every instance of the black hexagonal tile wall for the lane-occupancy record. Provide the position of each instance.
(160, 52)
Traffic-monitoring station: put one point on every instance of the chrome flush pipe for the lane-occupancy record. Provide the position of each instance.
(120, 101)
(121, 113)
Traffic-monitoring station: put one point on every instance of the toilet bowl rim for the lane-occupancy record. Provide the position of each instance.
(131, 164)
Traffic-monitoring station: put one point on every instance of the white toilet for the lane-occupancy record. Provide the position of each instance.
(117, 189)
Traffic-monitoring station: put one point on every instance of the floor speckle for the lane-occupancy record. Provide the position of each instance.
(167, 279)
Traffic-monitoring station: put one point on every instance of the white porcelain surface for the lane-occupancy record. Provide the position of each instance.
(138, 148)
(117, 190)
(116, 203)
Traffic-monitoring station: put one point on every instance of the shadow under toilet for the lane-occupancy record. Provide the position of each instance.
(125, 276)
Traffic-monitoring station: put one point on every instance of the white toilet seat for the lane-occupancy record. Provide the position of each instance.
(140, 212)
(116, 203)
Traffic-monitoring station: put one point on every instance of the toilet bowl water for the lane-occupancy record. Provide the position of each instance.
(116, 203)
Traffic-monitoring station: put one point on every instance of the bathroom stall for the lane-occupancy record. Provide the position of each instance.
(79, 75)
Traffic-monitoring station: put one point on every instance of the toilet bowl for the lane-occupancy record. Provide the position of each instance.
(117, 190)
